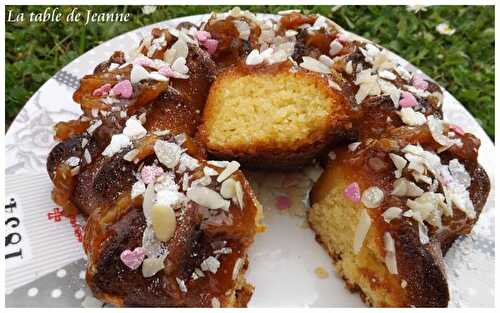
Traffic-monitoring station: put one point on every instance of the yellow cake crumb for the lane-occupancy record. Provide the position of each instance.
(321, 272)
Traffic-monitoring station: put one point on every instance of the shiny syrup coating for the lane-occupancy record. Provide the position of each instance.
(199, 233)
(119, 223)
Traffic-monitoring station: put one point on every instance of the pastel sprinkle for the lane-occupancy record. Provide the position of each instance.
(342, 38)
(203, 35)
(133, 259)
(352, 192)
(149, 173)
(143, 61)
(166, 71)
(457, 129)
(102, 91)
(407, 100)
(123, 89)
(211, 45)
(283, 202)
(419, 82)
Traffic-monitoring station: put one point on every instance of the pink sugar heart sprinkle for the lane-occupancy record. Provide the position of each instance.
(211, 45)
(149, 173)
(123, 89)
(143, 61)
(102, 91)
(352, 192)
(203, 35)
(457, 129)
(419, 82)
(283, 202)
(133, 259)
(342, 39)
(408, 100)
(166, 71)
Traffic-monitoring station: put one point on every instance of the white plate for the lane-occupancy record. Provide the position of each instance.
(282, 260)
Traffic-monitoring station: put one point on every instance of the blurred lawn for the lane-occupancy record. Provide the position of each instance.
(462, 63)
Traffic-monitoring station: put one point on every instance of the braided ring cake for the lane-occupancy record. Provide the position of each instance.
(169, 226)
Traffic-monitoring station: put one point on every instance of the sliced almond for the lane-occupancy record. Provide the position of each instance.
(149, 198)
(400, 187)
(168, 153)
(391, 213)
(151, 266)
(206, 197)
(237, 267)
(239, 194)
(399, 163)
(362, 229)
(227, 189)
(390, 254)
(413, 190)
(232, 167)
(163, 220)
(138, 73)
(208, 171)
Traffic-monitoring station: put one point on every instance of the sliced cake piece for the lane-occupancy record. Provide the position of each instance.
(271, 115)
(178, 236)
(387, 210)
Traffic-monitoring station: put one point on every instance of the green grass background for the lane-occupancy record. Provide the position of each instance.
(462, 63)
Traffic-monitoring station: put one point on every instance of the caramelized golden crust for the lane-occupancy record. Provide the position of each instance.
(231, 49)
(286, 129)
(172, 111)
(421, 280)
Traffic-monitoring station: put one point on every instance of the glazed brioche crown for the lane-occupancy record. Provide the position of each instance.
(280, 94)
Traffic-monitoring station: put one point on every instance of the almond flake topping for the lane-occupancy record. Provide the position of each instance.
(178, 50)
(181, 284)
(232, 167)
(134, 129)
(368, 85)
(387, 75)
(138, 73)
(243, 28)
(131, 155)
(179, 66)
(237, 268)
(314, 65)
(399, 162)
(436, 128)
(118, 142)
(391, 213)
(254, 58)
(163, 221)
(151, 266)
(73, 161)
(138, 188)
(215, 302)
(411, 117)
(239, 194)
(390, 254)
(87, 156)
(227, 189)
(335, 47)
(362, 228)
(168, 153)
(210, 264)
(206, 197)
